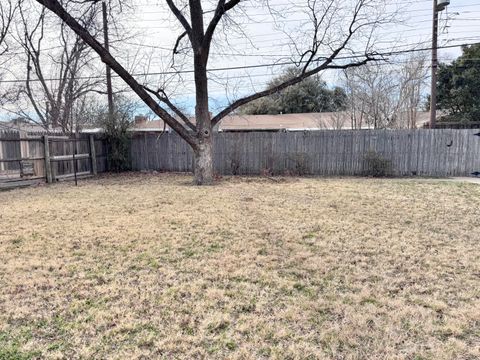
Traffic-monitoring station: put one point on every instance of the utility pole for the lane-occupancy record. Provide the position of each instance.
(438, 5)
(109, 72)
(433, 91)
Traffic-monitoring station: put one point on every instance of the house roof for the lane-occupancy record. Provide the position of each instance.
(25, 126)
(152, 125)
(292, 122)
(308, 121)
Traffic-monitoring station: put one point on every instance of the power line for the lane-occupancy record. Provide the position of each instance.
(294, 4)
(275, 37)
(276, 34)
(384, 54)
(277, 45)
(417, 15)
(453, 8)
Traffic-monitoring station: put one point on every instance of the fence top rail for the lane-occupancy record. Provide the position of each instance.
(35, 139)
(308, 131)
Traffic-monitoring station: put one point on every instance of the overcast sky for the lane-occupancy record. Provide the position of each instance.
(262, 38)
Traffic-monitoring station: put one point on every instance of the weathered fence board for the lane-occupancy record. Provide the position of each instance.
(445, 152)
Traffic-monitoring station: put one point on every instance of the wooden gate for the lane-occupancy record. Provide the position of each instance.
(67, 157)
(27, 159)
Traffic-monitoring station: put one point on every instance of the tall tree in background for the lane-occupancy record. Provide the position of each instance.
(8, 9)
(382, 95)
(7, 12)
(412, 79)
(54, 86)
(370, 90)
(459, 87)
(310, 95)
(334, 29)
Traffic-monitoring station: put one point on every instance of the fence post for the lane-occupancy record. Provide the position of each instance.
(2, 167)
(93, 154)
(48, 166)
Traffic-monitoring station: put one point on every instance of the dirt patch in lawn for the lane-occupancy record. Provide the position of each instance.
(143, 266)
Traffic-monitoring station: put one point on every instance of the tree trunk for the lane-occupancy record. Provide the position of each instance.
(203, 167)
(203, 171)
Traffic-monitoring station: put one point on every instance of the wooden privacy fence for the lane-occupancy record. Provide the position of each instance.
(26, 158)
(445, 152)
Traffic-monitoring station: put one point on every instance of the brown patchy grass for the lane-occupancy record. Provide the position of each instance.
(144, 266)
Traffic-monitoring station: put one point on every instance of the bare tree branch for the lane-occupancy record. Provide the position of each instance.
(177, 43)
(178, 14)
(221, 9)
(160, 94)
(326, 65)
(107, 58)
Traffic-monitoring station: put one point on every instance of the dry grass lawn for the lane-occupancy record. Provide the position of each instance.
(147, 266)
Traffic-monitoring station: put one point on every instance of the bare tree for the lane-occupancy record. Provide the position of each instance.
(54, 86)
(386, 95)
(372, 87)
(8, 9)
(335, 28)
(338, 120)
(356, 107)
(7, 13)
(413, 79)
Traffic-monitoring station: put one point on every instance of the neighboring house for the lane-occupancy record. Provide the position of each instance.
(285, 122)
(282, 122)
(142, 124)
(24, 126)
(296, 122)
